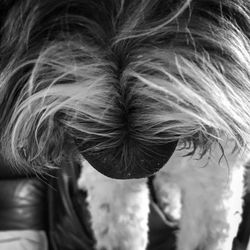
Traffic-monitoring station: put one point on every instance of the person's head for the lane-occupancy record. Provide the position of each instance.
(122, 81)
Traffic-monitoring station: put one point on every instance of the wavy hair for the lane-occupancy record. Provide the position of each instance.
(93, 70)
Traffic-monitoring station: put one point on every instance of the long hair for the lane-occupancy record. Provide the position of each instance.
(83, 71)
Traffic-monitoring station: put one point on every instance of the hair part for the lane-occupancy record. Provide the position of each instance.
(111, 71)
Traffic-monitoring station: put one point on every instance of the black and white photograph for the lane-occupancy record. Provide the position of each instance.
(124, 124)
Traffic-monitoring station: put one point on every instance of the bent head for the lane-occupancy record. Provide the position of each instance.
(122, 81)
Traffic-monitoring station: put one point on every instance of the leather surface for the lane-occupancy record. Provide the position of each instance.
(69, 220)
(22, 204)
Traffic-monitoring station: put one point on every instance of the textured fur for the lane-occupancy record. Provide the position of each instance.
(203, 195)
(119, 210)
(124, 75)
